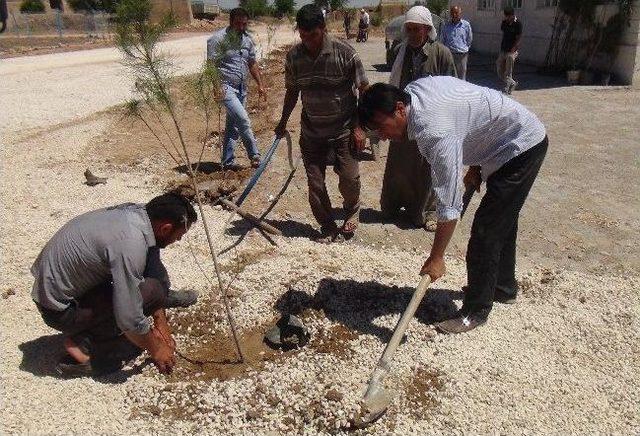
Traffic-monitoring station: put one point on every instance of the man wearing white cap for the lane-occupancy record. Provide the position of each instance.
(407, 177)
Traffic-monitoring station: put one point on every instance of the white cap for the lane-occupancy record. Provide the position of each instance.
(421, 15)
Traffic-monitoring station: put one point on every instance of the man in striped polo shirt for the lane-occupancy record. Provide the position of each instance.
(455, 123)
(327, 72)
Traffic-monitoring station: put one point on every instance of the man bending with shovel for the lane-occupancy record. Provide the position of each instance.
(454, 123)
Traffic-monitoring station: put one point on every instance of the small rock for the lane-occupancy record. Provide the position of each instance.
(254, 414)
(334, 395)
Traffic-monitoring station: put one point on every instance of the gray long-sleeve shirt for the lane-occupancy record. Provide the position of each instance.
(110, 244)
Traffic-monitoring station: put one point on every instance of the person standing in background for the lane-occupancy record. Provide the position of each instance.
(511, 36)
(234, 53)
(457, 36)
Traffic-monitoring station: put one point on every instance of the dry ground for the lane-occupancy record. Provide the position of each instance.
(562, 360)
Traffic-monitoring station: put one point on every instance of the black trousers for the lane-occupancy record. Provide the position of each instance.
(491, 253)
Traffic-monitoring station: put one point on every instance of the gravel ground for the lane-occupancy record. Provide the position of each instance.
(564, 359)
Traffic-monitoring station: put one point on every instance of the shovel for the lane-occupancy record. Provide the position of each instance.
(377, 399)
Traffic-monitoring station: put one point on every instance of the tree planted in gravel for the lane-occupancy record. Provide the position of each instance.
(157, 107)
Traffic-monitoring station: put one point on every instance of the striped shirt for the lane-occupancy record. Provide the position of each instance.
(457, 36)
(456, 123)
(327, 85)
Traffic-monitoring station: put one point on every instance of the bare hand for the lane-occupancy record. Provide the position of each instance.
(163, 355)
(473, 178)
(280, 129)
(359, 138)
(435, 267)
(165, 335)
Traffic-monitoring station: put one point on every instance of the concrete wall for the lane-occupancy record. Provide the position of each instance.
(626, 68)
(537, 24)
(181, 10)
(487, 35)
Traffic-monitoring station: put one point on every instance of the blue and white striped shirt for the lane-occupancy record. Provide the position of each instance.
(456, 123)
(457, 36)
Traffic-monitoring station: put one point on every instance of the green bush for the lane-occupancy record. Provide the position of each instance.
(376, 19)
(437, 6)
(32, 6)
(256, 8)
(93, 5)
(284, 7)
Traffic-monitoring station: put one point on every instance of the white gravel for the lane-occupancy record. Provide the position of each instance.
(563, 360)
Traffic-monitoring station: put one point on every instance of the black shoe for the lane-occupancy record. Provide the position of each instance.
(184, 298)
(462, 323)
(68, 367)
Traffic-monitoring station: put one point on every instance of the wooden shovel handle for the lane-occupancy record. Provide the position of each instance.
(417, 297)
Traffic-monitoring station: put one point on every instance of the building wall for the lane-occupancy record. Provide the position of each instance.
(627, 65)
(181, 10)
(537, 22)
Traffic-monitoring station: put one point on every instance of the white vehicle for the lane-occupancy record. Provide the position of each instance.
(208, 9)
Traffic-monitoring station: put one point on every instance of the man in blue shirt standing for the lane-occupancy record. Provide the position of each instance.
(457, 36)
(233, 52)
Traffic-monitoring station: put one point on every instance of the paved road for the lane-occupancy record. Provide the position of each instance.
(44, 90)
(372, 54)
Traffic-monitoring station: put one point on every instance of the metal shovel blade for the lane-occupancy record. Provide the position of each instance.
(374, 404)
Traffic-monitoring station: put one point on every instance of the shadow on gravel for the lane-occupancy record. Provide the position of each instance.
(204, 167)
(357, 305)
(289, 228)
(40, 357)
(373, 216)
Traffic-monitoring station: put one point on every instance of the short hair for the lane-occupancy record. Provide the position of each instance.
(508, 10)
(309, 17)
(382, 98)
(171, 207)
(238, 13)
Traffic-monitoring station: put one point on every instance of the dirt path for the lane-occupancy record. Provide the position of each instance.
(44, 90)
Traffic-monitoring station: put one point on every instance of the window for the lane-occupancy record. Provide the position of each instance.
(515, 4)
(547, 4)
(486, 5)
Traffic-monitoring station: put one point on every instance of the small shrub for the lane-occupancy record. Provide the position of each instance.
(284, 7)
(256, 8)
(93, 5)
(32, 6)
(437, 6)
(376, 19)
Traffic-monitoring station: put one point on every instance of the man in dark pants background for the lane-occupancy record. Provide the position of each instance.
(511, 28)
(100, 277)
(455, 123)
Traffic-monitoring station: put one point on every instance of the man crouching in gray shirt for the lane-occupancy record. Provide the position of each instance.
(99, 278)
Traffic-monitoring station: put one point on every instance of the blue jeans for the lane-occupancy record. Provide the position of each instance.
(238, 124)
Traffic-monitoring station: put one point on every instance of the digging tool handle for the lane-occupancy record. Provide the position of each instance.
(418, 294)
(252, 219)
(466, 199)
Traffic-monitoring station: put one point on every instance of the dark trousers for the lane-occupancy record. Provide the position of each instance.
(491, 254)
(316, 155)
(90, 320)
